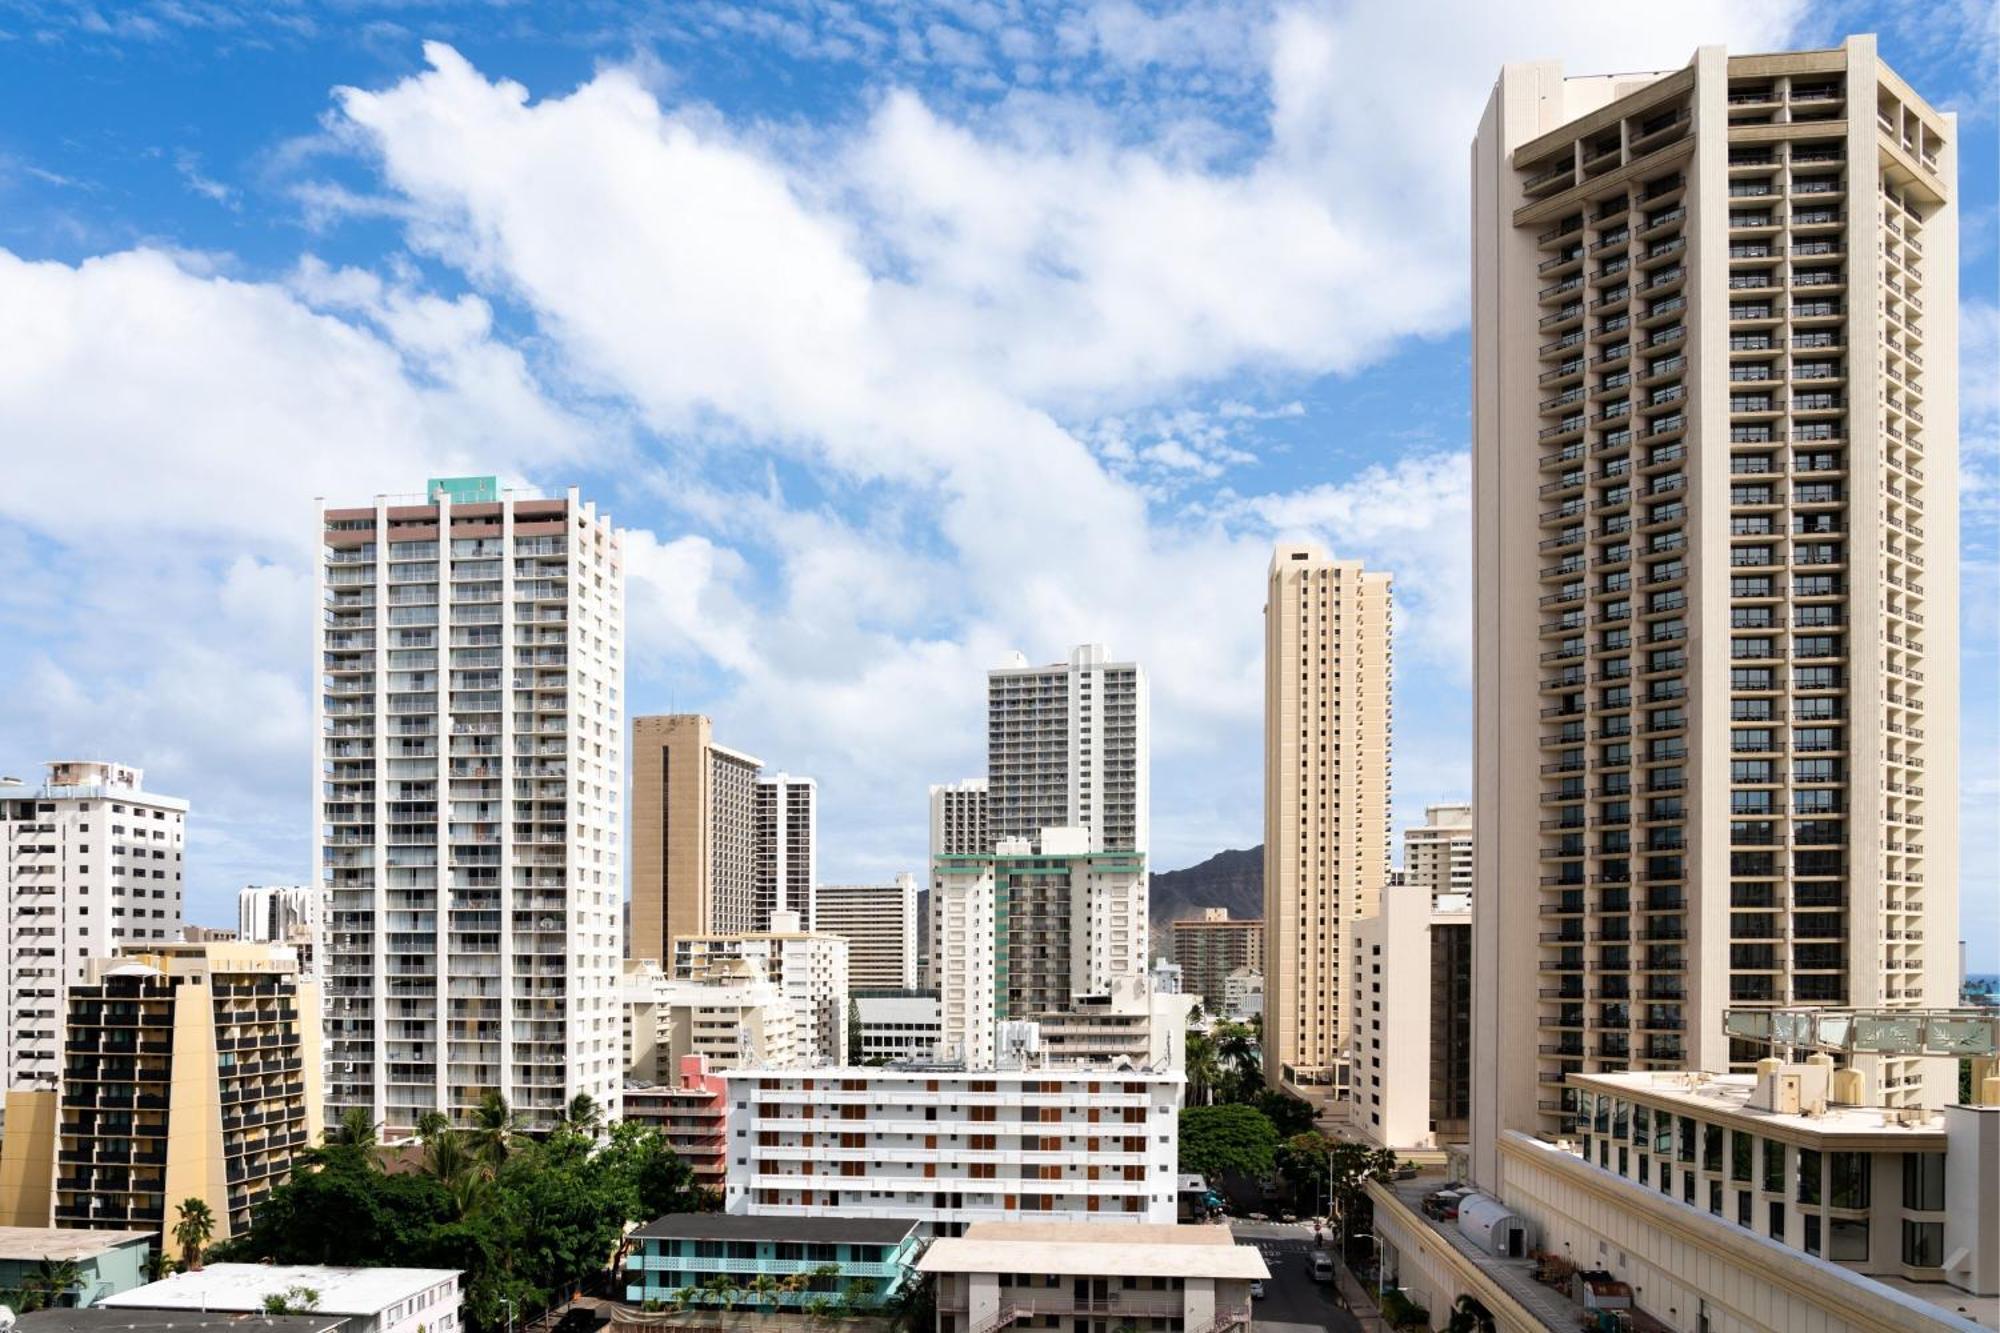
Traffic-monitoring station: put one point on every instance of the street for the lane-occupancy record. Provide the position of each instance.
(1293, 1302)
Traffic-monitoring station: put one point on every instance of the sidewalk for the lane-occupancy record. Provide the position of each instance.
(1355, 1296)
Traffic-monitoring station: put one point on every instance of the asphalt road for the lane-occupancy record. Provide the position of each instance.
(1293, 1302)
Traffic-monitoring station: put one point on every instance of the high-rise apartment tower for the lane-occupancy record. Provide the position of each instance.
(694, 835)
(787, 833)
(959, 822)
(1327, 665)
(1437, 854)
(1716, 555)
(1066, 746)
(91, 863)
(470, 780)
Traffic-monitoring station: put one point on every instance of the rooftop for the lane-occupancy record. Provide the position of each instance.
(743, 1226)
(98, 1319)
(1089, 1249)
(342, 1291)
(33, 1244)
(1729, 1095)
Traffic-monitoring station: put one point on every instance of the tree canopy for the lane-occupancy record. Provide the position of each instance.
(527, 1220)
(1217, 1140)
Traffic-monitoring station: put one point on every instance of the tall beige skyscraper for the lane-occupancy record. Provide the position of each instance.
(1716, 554)
(694, 835)
(1327, 667)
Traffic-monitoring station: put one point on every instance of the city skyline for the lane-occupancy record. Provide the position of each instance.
(306, 243)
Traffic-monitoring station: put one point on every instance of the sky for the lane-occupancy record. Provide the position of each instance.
(899, 337)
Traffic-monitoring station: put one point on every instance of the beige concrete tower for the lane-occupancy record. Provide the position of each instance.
(1327, 666)
(1716, 554)
(694, 835)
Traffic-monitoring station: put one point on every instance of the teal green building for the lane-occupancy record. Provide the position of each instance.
(864, 1261)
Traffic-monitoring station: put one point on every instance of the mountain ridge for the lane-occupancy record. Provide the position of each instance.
(1232, 878)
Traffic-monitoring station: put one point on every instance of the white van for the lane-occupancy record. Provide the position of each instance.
(1322, 1268)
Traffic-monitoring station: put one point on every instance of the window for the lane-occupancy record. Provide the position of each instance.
(1740, 1148)
(1849, 1188)
(1743, 1202)
(1809, 1187)
(1812, 1229)
(1774, 1168)
(1848, 1241)
(1777, 1219)
(1923, 1242)
(1715, 1197)
(1923, 1182)
(1711, 1148)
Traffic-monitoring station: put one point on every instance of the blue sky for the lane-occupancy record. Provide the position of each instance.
(901, 336)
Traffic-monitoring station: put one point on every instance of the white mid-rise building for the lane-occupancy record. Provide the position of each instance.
(1437, 854)
(470, 779)
(1242, 995)
(291, 914)
(1411, 1006)
(951, 1146)
(1067, 747)
(92, 863)
(959, 819)
(735, 1018)
(1133, 1024)
(787, 837)
(897, 1027)
(879, 923)
(809, 967)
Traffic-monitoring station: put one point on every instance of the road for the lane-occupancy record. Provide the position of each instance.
(1293, 1302)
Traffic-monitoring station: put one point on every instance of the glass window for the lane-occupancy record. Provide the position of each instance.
(1809, 1177)
(1848, 1241)
(1923, 1180)
(1812, 1229)
(1641, 1125)
(1741, 1148)
(1923, 1242)
(1777, 1219)
(1849, 1188)
(1715, 1197)
(1620, 1120)
(1711, 1147)
(1774, 1166)
(1624, 1160)
(1687, 1138)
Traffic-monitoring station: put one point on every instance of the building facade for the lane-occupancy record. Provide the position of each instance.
(862, 1262)
(1029, 928)
(1209, 947)
(189, 1071)
(369, 1300)
(1067, 746)
(1716, 649)
(949, 1146)
(91, 863)
(1437, 854)
(808, 968)
(879, 923)
(1081, 1278)
(959, 819)
(471, 777)
(691, 1112)
(1327, 675)
(786, 840)
(733, 1017)
(694, 835)
(107, 1262)
(1410, 983)
(897, 1026)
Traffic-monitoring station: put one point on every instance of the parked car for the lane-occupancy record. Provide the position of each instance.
(1322, 1268)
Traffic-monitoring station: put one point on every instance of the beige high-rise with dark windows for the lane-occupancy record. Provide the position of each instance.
(1716, 555)
(694, 835)
(1327, 665)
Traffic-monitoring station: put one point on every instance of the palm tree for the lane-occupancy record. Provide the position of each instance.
(158, 1265)
(764, 1289)
(1204, 1071)
(191, 1232)
(356, 1130)
(582, 1115)
(819, 1307)
(58, 1280)
(494, 1129)
(686, 1297)
(722, 1289)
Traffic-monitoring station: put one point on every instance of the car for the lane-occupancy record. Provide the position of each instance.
(1288, 1217)
(1256, 1289)
(1322, 1268)
(1258, 1217)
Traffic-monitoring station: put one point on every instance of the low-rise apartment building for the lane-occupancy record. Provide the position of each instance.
(370, 1300)
(864, 1262)
(691, 1113)
(951, 1146)
(808, 967)
(107, 1262)
(1077, 1278)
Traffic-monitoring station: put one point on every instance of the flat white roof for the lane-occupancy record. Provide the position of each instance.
(33, 1244)
(348, 1291)
(1095, 1249)
(1728, 1096)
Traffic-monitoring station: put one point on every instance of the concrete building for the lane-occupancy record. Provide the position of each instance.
(1078, 1278)
(470, 773)
(1026, 929)
(1437, 854)
(107, 1262)
(950, 1146)
(1411, 992)
(1130, 1025)
(691, 1113)
(694, 835)
(786, 811)
(959, 819)
(733, 1017)
(1209, 947)
(869, 1259)
(1327, 675)
(274, 913)
(808, 967)
(897, 1027)
(879, 923)
(1716, 654)
(91, 862)
(370, 1300)
(1067, 747)
(1242, 995)
(159, 1101)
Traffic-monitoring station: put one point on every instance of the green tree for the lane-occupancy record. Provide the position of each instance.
(1469, 1316)
(721, 1289)
(296, 1299)
(1226, 1140)
(1289, 1115)
(158, 1265)
(56, 1282)
(1349, 1168)
(819, 1308)
(764, 1290)
(685, 1297)
(356, 1130)
(582, 1115)
(192, 1231)
(1204, 1068)
(1301, 1160)
(493, 1130)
